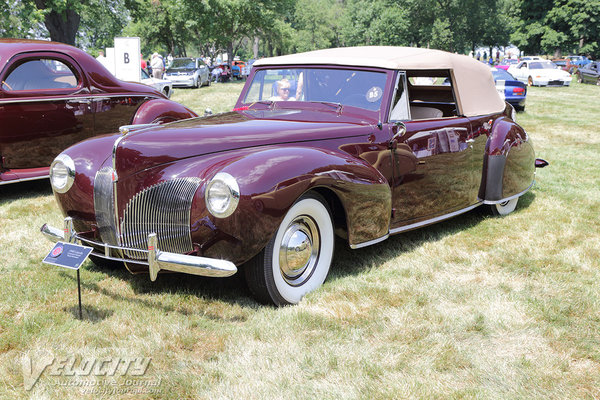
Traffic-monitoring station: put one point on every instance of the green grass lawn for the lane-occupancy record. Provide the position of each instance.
(474, 307)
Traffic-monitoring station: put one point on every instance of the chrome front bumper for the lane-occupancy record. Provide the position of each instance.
(157, 259)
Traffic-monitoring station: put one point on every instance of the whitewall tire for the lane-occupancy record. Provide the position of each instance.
(506, 207)
(296, 260)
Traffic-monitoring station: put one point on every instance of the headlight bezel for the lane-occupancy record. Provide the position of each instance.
(229, 187)
(67, 176)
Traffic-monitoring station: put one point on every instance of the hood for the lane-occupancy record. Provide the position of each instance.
(182, 70)
(154, 146)
(551, 73)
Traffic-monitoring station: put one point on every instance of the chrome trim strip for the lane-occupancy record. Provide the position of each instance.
(104, 206)
(101, 97)
(24, 180)
(370, 242)
(511, 197)
(432, 220)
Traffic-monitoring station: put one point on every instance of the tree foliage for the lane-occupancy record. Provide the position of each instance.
(211, 27)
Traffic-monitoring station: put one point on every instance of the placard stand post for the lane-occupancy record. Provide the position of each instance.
(79, 295)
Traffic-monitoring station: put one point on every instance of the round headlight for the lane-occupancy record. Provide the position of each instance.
(62, 173)
(222, 195)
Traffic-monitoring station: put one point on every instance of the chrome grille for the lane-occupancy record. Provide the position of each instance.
(104, 206)
(163, 209)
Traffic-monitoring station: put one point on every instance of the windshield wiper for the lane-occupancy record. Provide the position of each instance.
(338, 106)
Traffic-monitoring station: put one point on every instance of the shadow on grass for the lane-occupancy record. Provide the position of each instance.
(234, 291)
(24, 190)
(357, 261)
(89, 313)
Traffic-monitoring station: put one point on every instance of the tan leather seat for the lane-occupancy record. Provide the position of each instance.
(425, 112)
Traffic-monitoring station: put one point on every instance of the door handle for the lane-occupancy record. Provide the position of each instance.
(79, 101)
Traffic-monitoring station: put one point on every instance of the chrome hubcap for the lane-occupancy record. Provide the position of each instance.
(299, 250)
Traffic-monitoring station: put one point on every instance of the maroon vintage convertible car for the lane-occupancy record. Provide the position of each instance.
(53, 95)
(357, 142)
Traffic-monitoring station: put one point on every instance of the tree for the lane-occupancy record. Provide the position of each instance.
(61, 17)
(378, 22)
(317, 23)
(19, 19)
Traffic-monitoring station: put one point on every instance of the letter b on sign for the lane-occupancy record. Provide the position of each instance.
(126, 58)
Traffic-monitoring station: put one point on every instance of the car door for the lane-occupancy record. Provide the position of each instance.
(436, 170)
(114, 109)
(204, 72)
(45, 107)
(590, 73)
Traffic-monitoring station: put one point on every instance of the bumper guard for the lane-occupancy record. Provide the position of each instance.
(157, 259)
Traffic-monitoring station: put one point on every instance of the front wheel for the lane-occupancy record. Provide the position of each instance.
(505, 208)
(296, 260)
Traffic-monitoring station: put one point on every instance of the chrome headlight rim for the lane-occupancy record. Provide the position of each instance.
(222, 180)
(65, 182)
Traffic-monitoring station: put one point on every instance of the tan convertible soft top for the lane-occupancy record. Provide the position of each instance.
(474, 83)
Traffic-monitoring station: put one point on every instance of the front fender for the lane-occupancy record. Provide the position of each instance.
(509, 164)
(161, 111)
(272, 180)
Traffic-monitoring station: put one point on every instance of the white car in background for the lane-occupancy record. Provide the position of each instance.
(162, 85)
(540, 73)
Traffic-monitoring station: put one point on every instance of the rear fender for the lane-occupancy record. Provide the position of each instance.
(272, 180)
(161, 111)
(509, 163)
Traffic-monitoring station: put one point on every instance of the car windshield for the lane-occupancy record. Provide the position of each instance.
(183, 63)
(351, 87)
(502, 75)
(542, 65)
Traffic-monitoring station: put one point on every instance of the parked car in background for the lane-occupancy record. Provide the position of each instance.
(53, 95)
(162, 85)
(188, 72)
(510, 89)
(361, 142)
(507, 62)
(531, 58)
(590, 73)
(540, 73)
(579, 61)
(238, 72)
(565, 64)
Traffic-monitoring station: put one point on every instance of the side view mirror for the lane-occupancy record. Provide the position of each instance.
(400, 131)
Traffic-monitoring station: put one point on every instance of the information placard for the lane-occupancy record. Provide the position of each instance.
(68, 255)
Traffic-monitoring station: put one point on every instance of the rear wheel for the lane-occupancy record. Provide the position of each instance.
(505, 208)
(296, 260)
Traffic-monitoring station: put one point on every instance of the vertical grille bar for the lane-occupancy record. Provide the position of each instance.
(104, 206)
(164, 209)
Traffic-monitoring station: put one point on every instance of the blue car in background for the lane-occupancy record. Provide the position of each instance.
(579, 61)
(510, 89)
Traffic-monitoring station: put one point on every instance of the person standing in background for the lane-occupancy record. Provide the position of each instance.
(158, 66)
